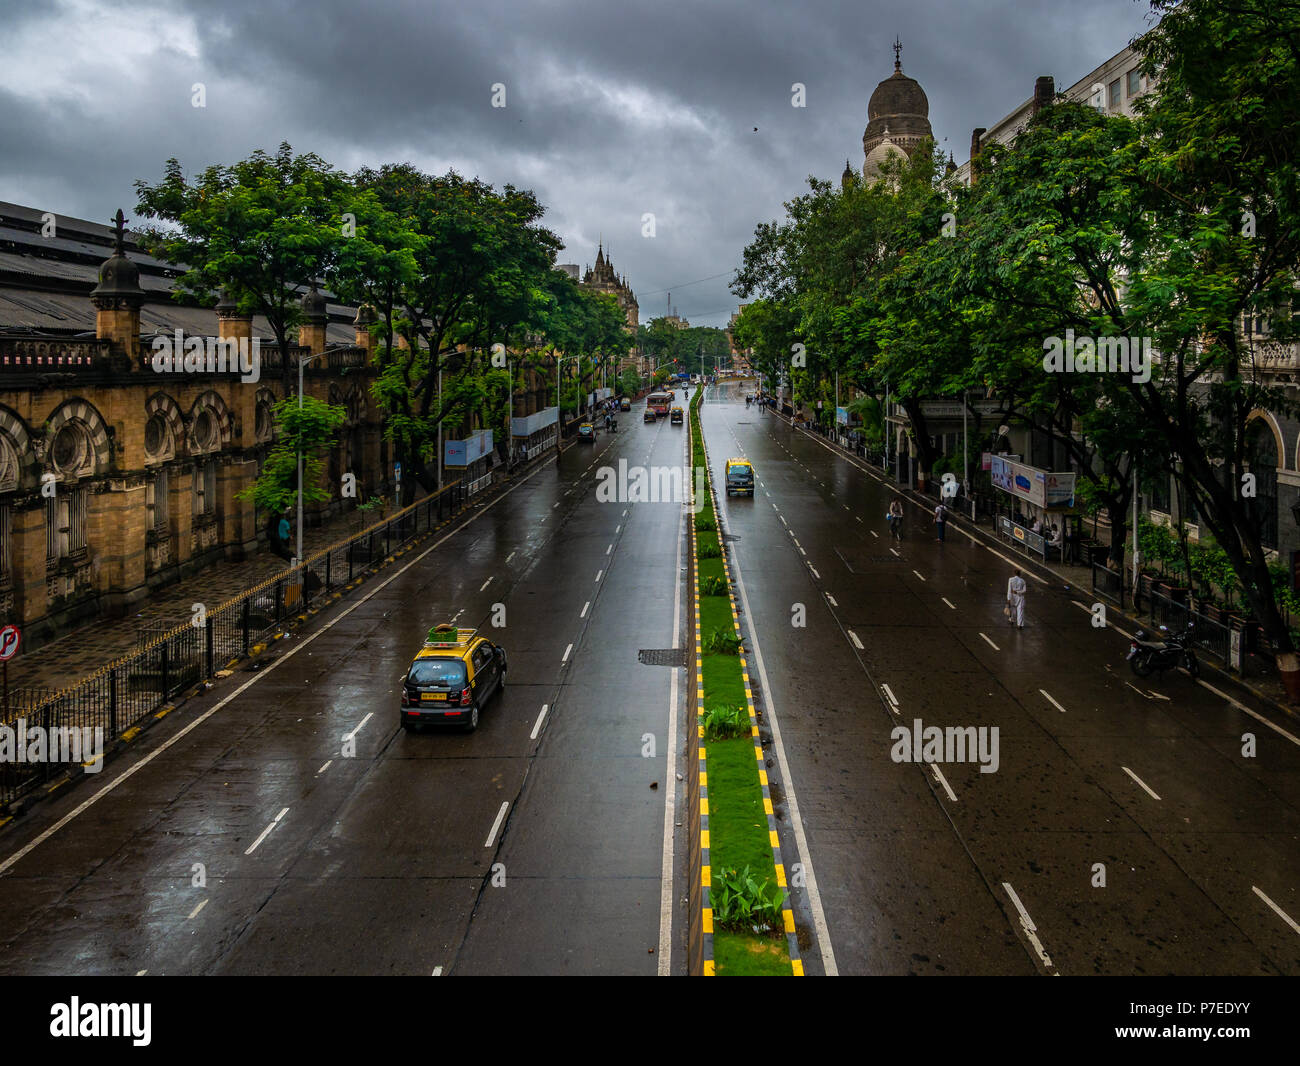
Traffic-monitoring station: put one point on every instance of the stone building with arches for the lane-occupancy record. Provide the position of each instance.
(115, 478)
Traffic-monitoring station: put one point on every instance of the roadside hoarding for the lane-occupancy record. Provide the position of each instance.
(470, 450)
(1043, 488)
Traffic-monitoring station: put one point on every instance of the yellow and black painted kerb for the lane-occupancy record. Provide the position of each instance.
(706, 910)
(787, 915)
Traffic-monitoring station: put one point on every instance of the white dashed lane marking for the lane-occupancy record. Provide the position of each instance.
(1140, 782)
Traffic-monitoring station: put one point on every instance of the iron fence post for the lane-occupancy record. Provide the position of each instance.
(247, 609)
(165, 645)
(208, 641)
(112, 702)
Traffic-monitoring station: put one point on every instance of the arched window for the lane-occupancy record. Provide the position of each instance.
(1261, 451)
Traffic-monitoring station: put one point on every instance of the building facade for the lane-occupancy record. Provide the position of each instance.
(603, 279)
(117, 477)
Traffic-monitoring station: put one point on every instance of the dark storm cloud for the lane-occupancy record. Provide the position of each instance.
(612, 110)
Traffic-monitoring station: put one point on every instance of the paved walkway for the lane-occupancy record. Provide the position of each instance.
(64, 661)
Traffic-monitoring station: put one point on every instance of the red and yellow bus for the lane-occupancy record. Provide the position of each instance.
(659, 402)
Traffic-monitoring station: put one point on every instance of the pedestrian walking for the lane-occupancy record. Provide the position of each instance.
(940, 520)
(895, 517)
(1015, 610)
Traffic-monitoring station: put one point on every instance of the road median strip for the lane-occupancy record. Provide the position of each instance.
(745, 905)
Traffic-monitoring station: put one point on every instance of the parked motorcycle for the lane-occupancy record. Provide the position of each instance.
(1164, 653)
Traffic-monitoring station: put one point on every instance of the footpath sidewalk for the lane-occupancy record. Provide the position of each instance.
(79, 653)
(1261, 678)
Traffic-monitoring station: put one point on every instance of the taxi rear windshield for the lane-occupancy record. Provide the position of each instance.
(741, 473)
(437, 672)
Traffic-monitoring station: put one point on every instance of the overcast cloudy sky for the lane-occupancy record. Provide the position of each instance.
(613, 109)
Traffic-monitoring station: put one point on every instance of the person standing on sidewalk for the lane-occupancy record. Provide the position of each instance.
(940, 520)
(1016, 600)
(895, 517)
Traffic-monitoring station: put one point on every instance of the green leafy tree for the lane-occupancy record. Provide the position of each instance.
(259, 229)
(311, 429)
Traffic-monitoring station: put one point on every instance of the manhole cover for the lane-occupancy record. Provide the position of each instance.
(662, 656)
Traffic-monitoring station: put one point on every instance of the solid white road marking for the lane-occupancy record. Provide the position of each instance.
(919, 574)
(814, 571)
(1027, 923)
(990, 643)
(511, 555)
(832, 600)
(505, 806)
(1281, 913)
(792, 799)
(895, 553)
(1137, 690)
(854, 637)
(266, 832)
(437, 971)
(873, 532)
(948, 602)
(141, 973)
(583, 612)
(328, 764)
(670, 796)
(260, 675)
(1140, 782)
(600, 574)
(889, 692)
(1047, 696)
(485, 584)
(1242, 707)
(194, 913)
(938, 776)
(538, 724)
(565, 657)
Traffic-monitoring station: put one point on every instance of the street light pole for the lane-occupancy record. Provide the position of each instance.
(302, 362)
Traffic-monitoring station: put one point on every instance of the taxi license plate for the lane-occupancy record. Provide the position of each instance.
(433, 696)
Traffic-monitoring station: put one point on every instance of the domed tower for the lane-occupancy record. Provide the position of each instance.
(117, 298)
(898, 118)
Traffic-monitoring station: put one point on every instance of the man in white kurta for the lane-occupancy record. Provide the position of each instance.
(1016, 599)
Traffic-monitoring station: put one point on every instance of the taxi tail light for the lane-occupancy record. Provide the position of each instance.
(406, 698)
(465, 697)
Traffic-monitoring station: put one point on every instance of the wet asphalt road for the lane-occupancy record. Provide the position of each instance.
(382, 861)
(252, 844)
(925, 872)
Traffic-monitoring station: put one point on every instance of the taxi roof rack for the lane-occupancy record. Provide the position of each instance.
(448, 636)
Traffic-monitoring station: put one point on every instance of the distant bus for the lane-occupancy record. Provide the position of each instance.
(659, 402)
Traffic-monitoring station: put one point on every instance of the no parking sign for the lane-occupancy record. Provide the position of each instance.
(10, 638)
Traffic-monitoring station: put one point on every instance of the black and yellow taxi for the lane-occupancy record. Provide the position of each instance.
(625, 404)
(451, 678)
(650, 415)
(676, 417)
(587, 432)
(739, 477)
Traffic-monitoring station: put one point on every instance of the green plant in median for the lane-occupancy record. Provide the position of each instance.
(704, 523)
(722, 642)
(723, 722)
(709, 551)
(713, 586)
(740, 900)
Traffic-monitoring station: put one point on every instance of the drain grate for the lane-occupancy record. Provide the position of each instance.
(662, 656)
